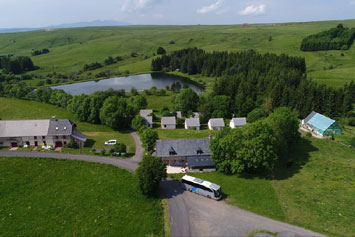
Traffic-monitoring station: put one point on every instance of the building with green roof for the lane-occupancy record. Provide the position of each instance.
(322, 125)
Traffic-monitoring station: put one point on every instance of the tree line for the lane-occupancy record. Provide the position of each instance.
(248, 80)
(332, 39)
(39, 52)
(16, 65)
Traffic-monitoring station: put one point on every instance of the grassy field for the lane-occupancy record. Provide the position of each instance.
(97, 43)
(43, 197)
(97, 134)
(317, 192)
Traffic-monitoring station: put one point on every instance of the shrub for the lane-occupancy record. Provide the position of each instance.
(309, 134)
(161, 51)
(72, 144)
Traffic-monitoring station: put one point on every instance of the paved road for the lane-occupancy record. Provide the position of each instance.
(194, 215)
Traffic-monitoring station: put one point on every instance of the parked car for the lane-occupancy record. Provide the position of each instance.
(111, 142)
(47, 147)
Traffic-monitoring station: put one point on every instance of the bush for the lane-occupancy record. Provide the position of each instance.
(119, 147)
(309, 134)
(72, 144)
(150, 172)
(352, 141)
(161, 51)
(171, 42)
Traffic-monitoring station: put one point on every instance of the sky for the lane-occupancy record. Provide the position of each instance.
(40, 13)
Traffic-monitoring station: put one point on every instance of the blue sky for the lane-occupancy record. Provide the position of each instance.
(37, 13)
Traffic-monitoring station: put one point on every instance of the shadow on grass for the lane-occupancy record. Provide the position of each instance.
(290, 164)
(90, 143)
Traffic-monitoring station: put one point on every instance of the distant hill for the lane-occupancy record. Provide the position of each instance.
(68, 25)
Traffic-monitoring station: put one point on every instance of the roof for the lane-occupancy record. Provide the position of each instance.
(178, 114)
(149, 119)
(309, 116)
(321, 122)
(195, 114)
(183, 147)
(239, 121)
(145, 113)
(78, 135)
(168, 120)
(60, 127)
(203, 182)
(200, 161)
(23, 128)
(192, 122)
(216, 122)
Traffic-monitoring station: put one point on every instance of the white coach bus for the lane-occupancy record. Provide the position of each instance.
(201, 187)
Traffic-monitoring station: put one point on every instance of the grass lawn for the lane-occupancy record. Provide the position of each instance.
(44, 197)
(97, 134)
(317, 192)
(95, 44)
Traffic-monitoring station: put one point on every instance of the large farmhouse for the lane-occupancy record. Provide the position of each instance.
(193, 153)
(53, 132)
(321, 125)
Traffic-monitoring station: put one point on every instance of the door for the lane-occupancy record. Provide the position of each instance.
(36, 143)
(58, 144)
(14, 144)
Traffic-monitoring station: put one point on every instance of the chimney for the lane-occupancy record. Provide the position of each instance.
(54, 118)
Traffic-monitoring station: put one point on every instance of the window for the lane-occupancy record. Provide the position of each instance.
(64, 137)
(43, 137)
(45, 143)
(35, 137)
(65, 143)
(56, 137)
(199, 151)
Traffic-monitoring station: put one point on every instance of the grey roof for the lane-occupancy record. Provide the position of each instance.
(200, 161)
(192, 122)
(178, 114)
(146, 112)
(78, 135)
(239, 121)
(23, 128)
(60, 127)
(310, 116)
(149, 119)
(183, 147)
(168, 120)
(196, 114)
(216, 122)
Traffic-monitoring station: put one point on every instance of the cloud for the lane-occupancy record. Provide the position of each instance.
(253, 10)
(133, 5)
(210, 8)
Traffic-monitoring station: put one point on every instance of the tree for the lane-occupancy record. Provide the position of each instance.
(150, 172)
(247, 149)
(134, 91)
(256, 114)
(161, 51)
(138, 123)
(117, 113)
(119, 147)
(139, 102)
(186, 100)
(149, 139)
(109, 60)
(285, 125)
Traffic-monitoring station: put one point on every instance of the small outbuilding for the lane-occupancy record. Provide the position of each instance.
(216, 123)
(168, 122)
(321, 125)
(237, 122)
(147, 115)
(192, 123)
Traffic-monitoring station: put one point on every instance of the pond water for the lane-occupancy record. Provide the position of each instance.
(140, 82)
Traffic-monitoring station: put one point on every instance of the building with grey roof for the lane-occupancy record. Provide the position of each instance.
(237, 122)
(192, 123)
(216, 123)
(53, 132)
(180, 151)
(147, 115)
(168, 122)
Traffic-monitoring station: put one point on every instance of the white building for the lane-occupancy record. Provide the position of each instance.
(147, 115)
(237, 122)
(53, 132)
(168, 123)
(216, 123)
(192, 123)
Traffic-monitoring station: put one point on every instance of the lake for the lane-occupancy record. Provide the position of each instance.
(140, 82)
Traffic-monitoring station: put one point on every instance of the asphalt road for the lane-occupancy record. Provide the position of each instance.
(194, 215)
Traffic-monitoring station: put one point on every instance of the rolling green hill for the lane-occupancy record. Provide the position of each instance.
(72, 48)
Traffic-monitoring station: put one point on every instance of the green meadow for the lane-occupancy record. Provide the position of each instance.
(45, 197)
(70, 49)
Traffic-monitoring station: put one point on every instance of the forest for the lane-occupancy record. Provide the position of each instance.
(16, 65)
(248, 80)
(339, 38)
